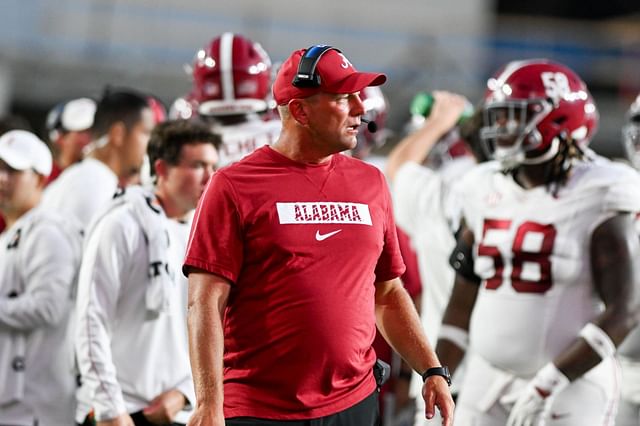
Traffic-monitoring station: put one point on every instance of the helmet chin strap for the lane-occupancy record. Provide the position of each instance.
(551, 152)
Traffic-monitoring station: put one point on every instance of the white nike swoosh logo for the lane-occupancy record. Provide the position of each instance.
(322, 237)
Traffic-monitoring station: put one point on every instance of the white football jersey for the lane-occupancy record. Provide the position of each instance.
(241, 139)
(531, 251)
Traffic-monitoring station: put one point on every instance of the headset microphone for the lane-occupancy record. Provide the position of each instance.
(371, 125)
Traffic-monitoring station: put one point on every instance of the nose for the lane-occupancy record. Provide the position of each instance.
(4, 175)
(501, 117)
(357, 106)
(209, 170)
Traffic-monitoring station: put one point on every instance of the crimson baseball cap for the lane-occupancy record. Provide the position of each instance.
(23, 150)
(337, 75)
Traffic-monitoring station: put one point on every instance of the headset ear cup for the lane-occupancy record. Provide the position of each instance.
(306, 76)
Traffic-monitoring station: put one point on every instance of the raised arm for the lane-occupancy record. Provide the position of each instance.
(447, 109)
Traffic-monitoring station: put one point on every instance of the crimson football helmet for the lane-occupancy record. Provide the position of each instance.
(531, 107)
(376, 109)
(231, 75)
(631, 133)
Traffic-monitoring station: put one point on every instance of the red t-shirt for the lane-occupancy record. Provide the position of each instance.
(303, 246)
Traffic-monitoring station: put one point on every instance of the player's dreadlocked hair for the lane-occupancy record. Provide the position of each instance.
(560, 166)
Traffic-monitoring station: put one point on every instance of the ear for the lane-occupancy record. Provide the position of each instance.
(117, 133)
(299, 111)
(161, 168)
(42, 180)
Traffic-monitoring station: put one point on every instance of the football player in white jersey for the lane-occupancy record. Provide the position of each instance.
(425, 206)
(39, 258)
(629, 350)
(132, 299)
(231, 92)
(547, 262)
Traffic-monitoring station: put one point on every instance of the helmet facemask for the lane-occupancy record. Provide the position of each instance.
(631, 134)
(511, 135)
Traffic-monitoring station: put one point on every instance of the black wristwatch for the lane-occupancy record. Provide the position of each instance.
(437, 371)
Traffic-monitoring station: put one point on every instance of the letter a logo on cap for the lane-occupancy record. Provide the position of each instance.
(345, 62)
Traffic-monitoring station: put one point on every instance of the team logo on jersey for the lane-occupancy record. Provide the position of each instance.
(493, 199)
(323, 212)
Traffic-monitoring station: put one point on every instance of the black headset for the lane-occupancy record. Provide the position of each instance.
(306, 76)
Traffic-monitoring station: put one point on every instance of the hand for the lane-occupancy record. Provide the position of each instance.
(121, 420)
(204, 416)
(164, 407)
(435, 392)
(532, 403)
(447, 109)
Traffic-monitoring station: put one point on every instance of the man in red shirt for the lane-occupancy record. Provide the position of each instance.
(292, 261)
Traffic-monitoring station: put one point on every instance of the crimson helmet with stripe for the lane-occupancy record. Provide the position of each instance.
(231, 75)
(541, 103)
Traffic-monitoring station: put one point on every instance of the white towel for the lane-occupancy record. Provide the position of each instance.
(151, 217)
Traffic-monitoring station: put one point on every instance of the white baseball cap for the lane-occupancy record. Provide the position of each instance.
(77, 115)
(23, 150)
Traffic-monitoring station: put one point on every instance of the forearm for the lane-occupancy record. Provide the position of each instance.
(614, 256)
(30, 311)
(399, 323)
(453, 338)
(95, 361)
(414, 147)
(581, 356)
(206, 351)
(48, 279)
(208, 295)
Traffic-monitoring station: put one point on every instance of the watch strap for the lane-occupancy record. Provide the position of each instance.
(437, 371)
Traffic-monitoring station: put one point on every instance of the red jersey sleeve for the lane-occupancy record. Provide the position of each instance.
(215, 242)
(390, 264)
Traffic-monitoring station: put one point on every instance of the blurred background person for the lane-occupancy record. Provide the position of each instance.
(539, 300)
(629, 350)
(119, 135)
(12, 122)
(394, 399)
(132, 299)
(231, 89)
(425, 205)
(39, 258)
(68, 128)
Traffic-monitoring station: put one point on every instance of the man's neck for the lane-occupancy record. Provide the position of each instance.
(171, 209)
(109, 158)
(532, 176)
(11, 216)
(300, 151)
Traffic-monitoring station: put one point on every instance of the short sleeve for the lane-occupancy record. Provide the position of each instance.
(390, 264)
(215, 242)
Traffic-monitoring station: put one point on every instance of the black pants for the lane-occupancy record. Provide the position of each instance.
(138, 419)
(364, 413)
